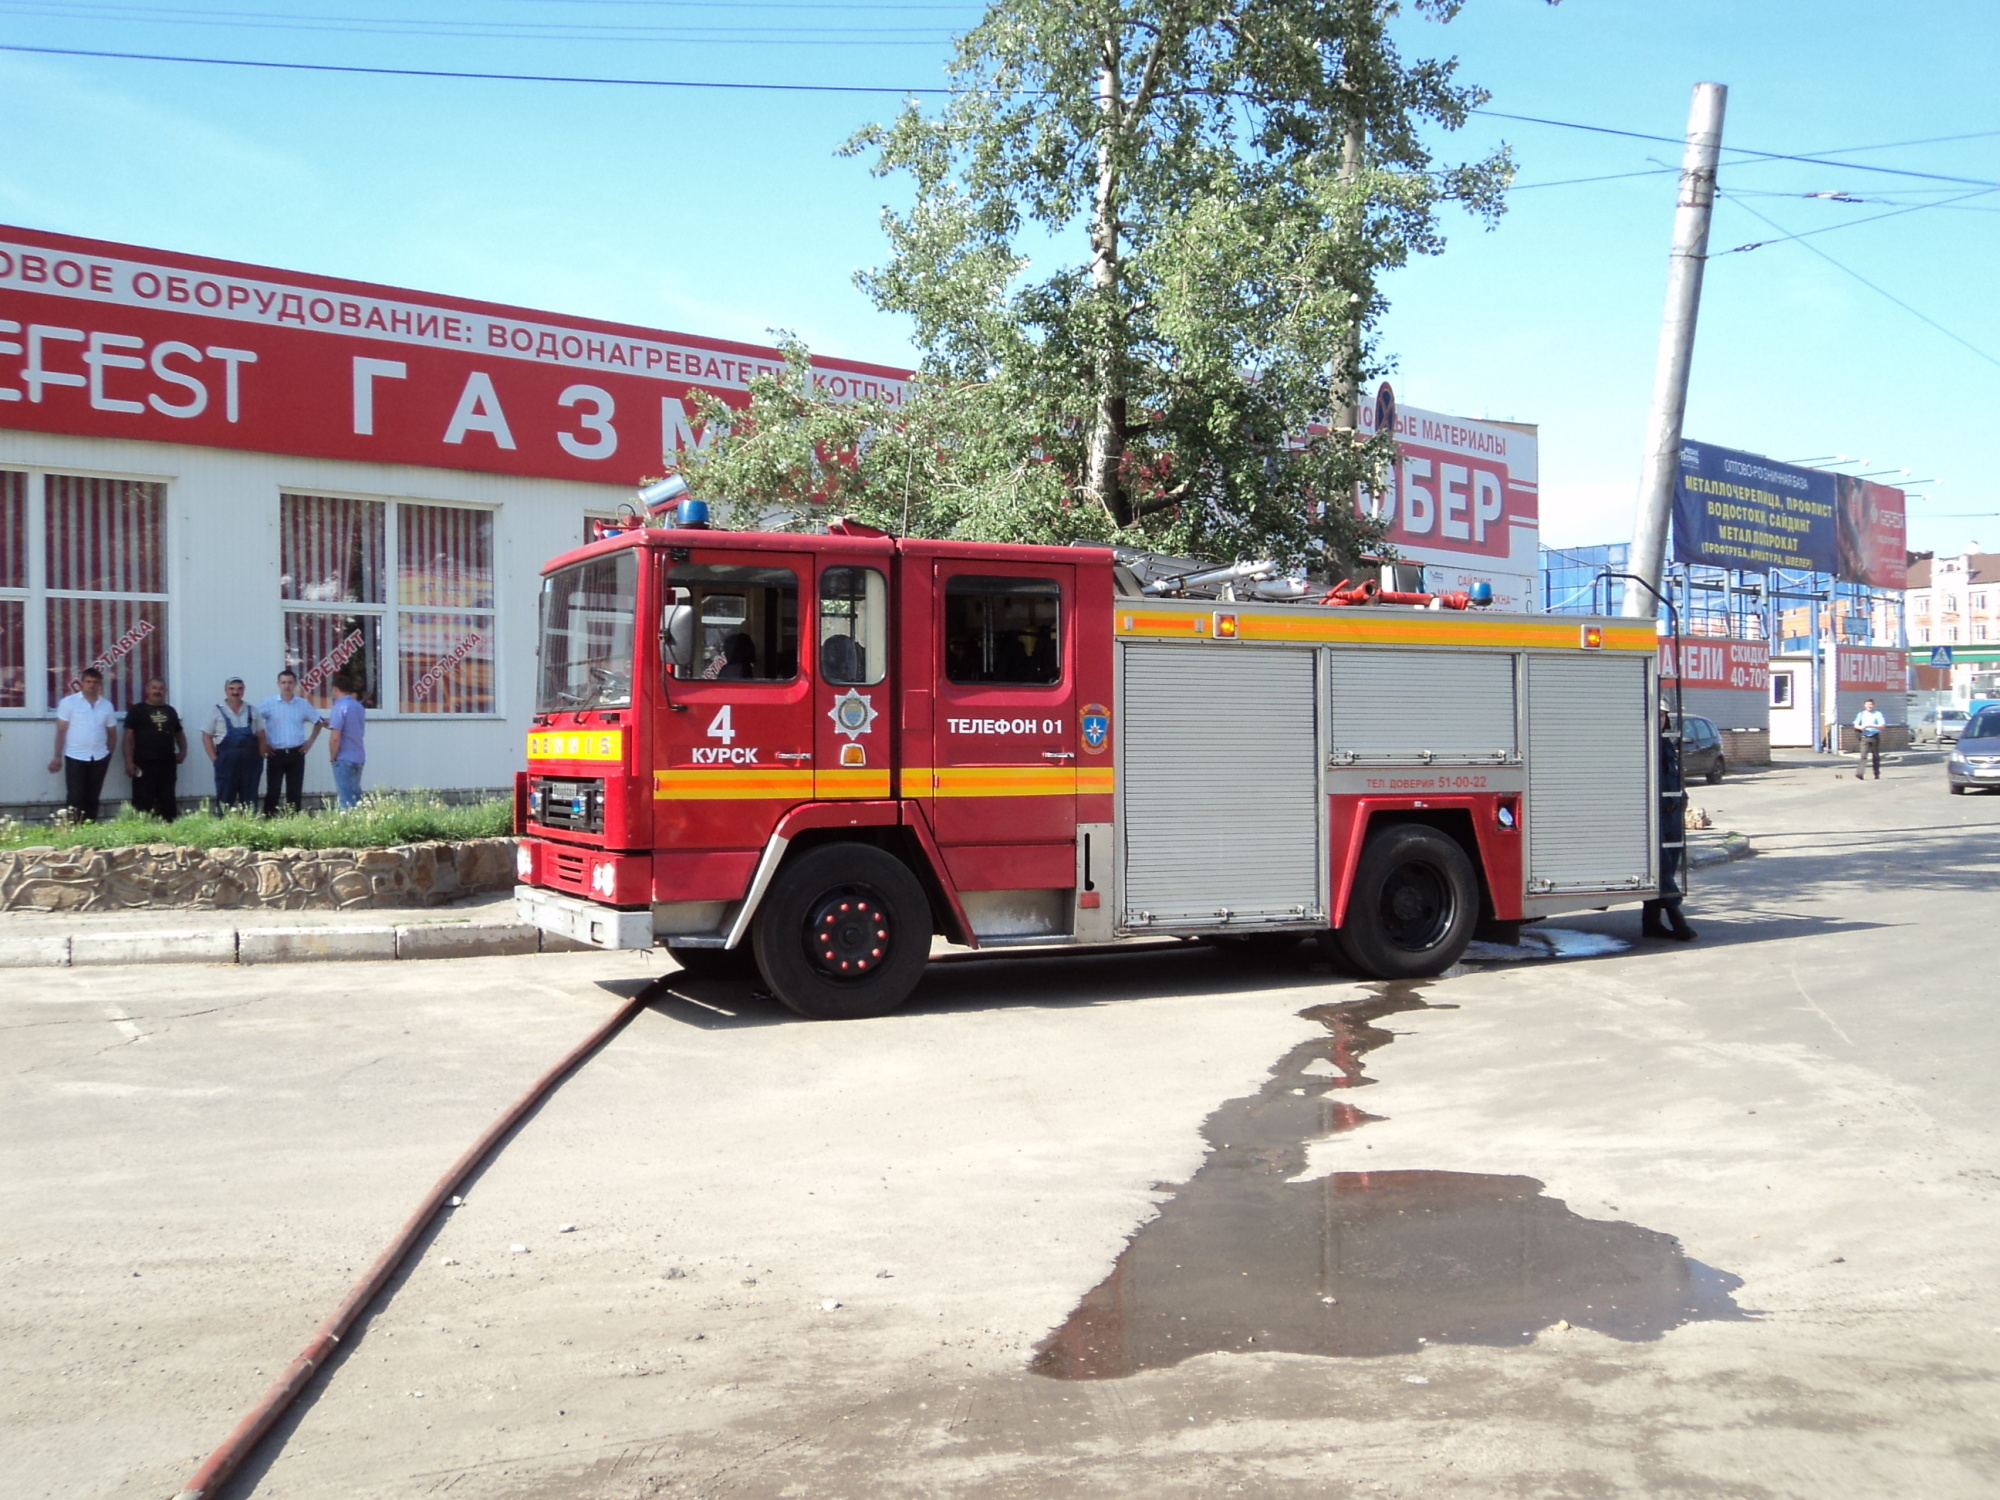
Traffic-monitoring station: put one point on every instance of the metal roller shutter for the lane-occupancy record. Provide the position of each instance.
(1397, 705)
(1220, 785)
(1590, 754)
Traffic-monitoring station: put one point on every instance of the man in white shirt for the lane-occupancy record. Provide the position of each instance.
(287, 726)
(86, 737)
(1868, 726)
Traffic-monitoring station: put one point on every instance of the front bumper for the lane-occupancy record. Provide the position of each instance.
(583, 921)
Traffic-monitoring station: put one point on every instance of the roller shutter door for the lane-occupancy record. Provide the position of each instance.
(1219, 788)
(1396, 705)
(1590, 754)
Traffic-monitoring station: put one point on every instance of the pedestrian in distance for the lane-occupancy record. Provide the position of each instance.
(230, 738)
(86, 736)
(287, 726)
(1868, 727)
(346, 740)
(155, 746)
(1662, 916)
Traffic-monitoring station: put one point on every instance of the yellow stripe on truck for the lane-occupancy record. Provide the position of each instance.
(576, 744)
(731, 785)
(1363, 626)
(867, 783)
(1005, 781)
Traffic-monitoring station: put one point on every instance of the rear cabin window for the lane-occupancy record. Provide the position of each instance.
(1002, 629)
(723, 623)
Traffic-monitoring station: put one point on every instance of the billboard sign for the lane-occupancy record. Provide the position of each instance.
(107, 340)
(1744, 666)
(1463, 499)
(1873, 549)
(1737, 510)
(1859, 669)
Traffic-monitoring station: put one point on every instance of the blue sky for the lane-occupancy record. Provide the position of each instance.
(730, 215)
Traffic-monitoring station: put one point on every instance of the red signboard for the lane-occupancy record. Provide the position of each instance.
(1859, 670)
(1873, 547)
(1716, 663)
(106, 340)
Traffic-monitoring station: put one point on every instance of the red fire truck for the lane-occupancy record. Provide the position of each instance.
(805, 756)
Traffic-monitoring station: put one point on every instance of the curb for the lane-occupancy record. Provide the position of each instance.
(284, 945)
(1733, 846)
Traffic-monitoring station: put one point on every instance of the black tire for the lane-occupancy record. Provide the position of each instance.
(1715, 771)
(844, 907)
(1956, 789)
(715, 963)
(1414, 904)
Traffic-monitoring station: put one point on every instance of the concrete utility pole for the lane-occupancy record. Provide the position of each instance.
(1670, 372)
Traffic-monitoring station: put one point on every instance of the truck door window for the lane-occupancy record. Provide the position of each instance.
(724, 623)
(1002, 629)
(853, 626)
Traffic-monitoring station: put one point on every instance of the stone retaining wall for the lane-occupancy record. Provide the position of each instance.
(405, 875)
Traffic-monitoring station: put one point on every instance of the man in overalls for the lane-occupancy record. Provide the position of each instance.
(231, 741)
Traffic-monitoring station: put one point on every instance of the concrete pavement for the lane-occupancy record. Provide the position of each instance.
(1802, 1100)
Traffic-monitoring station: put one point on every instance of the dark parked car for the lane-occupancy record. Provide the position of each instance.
(1701, 750)
(1975, 759)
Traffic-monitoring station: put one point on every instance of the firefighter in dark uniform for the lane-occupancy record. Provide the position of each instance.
(1663, 917)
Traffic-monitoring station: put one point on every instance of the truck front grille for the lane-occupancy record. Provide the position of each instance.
(572, 802)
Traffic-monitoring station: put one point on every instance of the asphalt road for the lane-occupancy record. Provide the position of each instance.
(1717, 1219)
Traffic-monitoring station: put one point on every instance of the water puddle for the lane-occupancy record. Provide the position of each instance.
(1546, 942)
(1247, 1258)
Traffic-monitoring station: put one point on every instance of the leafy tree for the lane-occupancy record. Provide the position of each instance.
(1142, 260)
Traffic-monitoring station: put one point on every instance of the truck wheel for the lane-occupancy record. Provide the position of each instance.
(715, 963)
(844, 933)
(1414, 904)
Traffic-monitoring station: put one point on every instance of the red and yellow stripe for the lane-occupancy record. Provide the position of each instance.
(1361, 626)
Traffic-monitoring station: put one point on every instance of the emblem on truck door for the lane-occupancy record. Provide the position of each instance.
(853, 713)
(1096, 726)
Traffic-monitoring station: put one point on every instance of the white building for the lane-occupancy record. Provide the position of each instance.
(211, 470)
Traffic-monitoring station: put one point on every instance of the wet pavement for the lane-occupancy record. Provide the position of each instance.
(1247, 1257)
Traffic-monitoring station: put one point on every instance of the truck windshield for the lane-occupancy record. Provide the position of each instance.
(588, 615)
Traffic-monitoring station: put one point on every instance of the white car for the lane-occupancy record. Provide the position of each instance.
(1941, 725)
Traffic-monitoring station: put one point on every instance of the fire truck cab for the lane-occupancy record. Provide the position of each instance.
(805, 756)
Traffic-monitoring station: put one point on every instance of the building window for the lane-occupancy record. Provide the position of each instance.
(1781, 690)
(331, 576)
(13, 589)
(1979, 632)
(1979, 601)
(1951, 633)
(105, 584)
(338, 557)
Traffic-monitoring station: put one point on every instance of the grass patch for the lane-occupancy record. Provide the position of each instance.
(402, 818)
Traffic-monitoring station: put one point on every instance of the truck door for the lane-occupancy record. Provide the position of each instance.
(734, 735)
(1005, 728)
(852, 698)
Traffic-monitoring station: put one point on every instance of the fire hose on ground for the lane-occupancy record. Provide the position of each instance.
(215, 1471)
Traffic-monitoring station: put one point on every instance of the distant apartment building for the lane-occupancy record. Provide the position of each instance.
(1954, 601)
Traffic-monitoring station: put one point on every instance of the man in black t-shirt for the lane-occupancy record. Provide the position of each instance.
(155, 744)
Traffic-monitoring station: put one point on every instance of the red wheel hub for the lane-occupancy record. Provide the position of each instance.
(848, 934)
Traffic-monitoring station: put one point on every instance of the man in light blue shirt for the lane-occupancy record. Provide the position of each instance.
(1868, 727)
(287, 726)
(346, 740)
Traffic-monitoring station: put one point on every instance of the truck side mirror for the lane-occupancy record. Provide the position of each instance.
(678, 629)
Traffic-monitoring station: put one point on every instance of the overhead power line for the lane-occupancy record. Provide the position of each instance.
(878, 89)
(637, 83)
(1878, 290)
(1894, 213)
(1811, 161)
